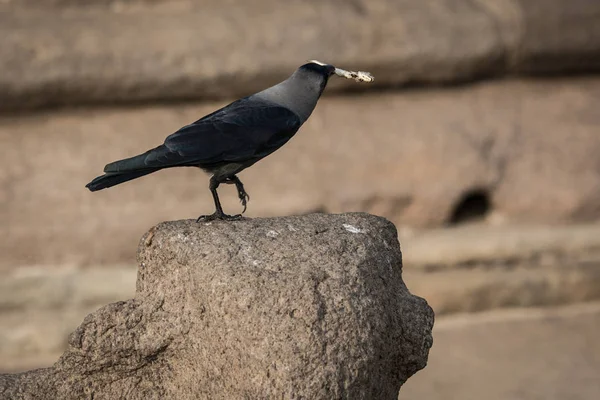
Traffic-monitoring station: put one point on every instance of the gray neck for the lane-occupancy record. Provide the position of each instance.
(299, 93)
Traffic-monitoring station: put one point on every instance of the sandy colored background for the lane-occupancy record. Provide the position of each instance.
(479, 140)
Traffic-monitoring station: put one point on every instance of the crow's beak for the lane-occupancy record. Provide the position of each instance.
(359, 76)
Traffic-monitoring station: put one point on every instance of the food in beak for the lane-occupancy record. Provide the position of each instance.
(359, 76)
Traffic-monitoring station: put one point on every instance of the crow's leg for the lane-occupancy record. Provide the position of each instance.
(218, 214)
(244, 197)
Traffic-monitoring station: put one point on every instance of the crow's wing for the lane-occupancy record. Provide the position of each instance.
(246, 129)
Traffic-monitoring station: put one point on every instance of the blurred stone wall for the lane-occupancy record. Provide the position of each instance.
(74, 52)
(523, 149)
(531, 148)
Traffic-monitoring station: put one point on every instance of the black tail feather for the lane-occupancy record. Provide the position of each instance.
(114, 178)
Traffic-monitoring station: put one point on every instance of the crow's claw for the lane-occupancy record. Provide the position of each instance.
(244, 199)
(242, 195)
(219, 216)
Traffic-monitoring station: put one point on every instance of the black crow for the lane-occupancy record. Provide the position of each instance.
(236, 136)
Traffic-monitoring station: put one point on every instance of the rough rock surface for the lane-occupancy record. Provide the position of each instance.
(411, 157)
(297, 307)
(68, 52)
